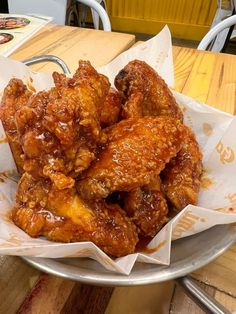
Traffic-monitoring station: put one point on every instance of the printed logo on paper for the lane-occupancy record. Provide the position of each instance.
(185, 223)
(227, 154)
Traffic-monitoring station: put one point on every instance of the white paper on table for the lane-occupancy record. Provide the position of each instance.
(217, 199)
(157, 52)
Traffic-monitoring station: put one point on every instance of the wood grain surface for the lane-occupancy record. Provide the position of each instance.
(208, 77)
(72, 44)
(48, 295)
(16, 280)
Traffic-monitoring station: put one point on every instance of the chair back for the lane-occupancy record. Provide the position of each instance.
(214, 31)
(98, 8)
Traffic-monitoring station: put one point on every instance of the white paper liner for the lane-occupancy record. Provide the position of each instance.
(217, 199)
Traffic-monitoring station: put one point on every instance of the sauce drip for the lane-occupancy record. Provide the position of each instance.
(141, 246)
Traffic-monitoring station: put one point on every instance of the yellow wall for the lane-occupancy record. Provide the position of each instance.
(189, 19)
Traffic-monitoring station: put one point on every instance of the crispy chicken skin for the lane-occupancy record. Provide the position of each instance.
(110, 111)
(85, 74)
(181, 177)
(145, 93)
(109, 101)
(14, 97)
(136, 149)
(61, 215)
(147, 207)
(59, 129)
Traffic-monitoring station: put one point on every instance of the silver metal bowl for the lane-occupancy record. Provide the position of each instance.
(187, 255)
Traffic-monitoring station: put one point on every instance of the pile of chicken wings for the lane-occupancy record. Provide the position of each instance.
(97, 163)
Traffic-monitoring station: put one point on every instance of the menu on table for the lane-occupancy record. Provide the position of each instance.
(15, 29)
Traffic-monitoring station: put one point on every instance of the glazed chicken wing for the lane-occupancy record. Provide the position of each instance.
(135, 150)
(109, 101)
(147, 207)
(181, 177)
(88, 76)
(61, 215)
(145, 93)
(59, 129)
(14, 97)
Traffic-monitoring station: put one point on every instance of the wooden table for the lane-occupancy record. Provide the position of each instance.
(72, 44)
(209, 77)
(205, 76)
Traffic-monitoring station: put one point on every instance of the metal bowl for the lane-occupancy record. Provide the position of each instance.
(187, 255)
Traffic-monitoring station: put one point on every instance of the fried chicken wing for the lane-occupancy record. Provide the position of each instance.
(14, 97)
(109, 101)
(147, 207)
(85, 74)
(181, 177)
(145, 93)
(136, 149)
(59, 129)
(61, 215)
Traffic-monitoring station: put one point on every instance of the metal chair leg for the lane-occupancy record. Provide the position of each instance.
(203, 299)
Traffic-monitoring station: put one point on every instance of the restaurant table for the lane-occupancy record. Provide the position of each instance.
(72, 44)
(206, 76)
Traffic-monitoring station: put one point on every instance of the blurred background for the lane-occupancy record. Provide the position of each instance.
(188, 20)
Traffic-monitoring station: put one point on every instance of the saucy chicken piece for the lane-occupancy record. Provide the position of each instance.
(14, 97)
(108, 110)
(59, 129)
(147, 208)
(85, 74)
(181, 176)
(61, 215)
(145, 93)
(135, 150)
